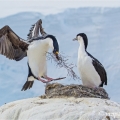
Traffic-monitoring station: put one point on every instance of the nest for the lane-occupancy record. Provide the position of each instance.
(56, 90)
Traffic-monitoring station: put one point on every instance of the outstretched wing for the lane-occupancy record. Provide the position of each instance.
(11, 45)
(100, 70)
(34, 31)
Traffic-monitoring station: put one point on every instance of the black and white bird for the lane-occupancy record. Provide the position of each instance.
(91, 70)
(15, 48)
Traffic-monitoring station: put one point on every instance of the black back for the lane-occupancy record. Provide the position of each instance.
(37, 38)
(100, 70)
(55, 43)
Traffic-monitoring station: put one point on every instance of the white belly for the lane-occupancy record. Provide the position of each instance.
(87, 72)
(37, 58)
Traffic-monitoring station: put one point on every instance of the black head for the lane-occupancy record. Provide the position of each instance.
(55, 45)
(84, 37)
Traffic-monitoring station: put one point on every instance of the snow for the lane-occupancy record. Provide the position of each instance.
(102, 26)
(61, 108)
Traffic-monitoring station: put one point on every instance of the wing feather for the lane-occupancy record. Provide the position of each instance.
(100, 70)
(6, 46)
(3, 47)
(11, 45)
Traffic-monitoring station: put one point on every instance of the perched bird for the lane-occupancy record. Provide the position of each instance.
(91, 70)
(15, 48)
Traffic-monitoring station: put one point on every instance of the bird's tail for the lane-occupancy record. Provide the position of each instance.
(27, 85)
(101, 85)
(105, 82)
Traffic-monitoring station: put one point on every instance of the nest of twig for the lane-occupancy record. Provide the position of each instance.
(63, 63)
(56, 90)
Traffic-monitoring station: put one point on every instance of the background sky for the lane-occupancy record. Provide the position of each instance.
(9, 7)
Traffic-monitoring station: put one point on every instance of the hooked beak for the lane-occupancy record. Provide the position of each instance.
(74, 39)
(56, 54)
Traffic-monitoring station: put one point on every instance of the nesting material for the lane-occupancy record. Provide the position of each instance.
(62, 62)
(56, 90)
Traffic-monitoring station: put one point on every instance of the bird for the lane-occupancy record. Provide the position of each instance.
(16, 48)
(91, 71)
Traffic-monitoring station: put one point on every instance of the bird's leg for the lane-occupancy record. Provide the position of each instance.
(51, 79)
(48, 78)
(42, 80)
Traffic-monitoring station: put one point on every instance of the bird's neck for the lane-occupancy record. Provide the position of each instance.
(81, 50)
(49, 42)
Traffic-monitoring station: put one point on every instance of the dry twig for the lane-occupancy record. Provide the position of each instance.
(63, 62)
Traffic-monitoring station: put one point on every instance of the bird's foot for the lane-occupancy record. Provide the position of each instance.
(48, 79)
(51, 79)
(42, 80)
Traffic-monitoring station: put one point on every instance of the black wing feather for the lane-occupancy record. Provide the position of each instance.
(100, 70)
(11, 45)
(28, 84)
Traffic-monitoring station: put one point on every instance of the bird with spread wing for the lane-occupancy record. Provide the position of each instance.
(15, 48)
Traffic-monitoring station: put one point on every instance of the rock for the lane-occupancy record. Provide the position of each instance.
(61, 109)
(56, 90)
(60, 102)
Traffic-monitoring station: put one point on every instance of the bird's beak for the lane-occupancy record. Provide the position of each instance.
(56, 54)
(74, 39)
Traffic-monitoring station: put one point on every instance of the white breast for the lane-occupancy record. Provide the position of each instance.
(87, 71)
(37, 57)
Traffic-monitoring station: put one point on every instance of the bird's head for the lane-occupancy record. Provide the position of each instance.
(82, 37)
(54, 45)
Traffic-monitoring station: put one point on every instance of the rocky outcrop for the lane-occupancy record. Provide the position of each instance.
(63, 103)
(56, 90)
(61, 109)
